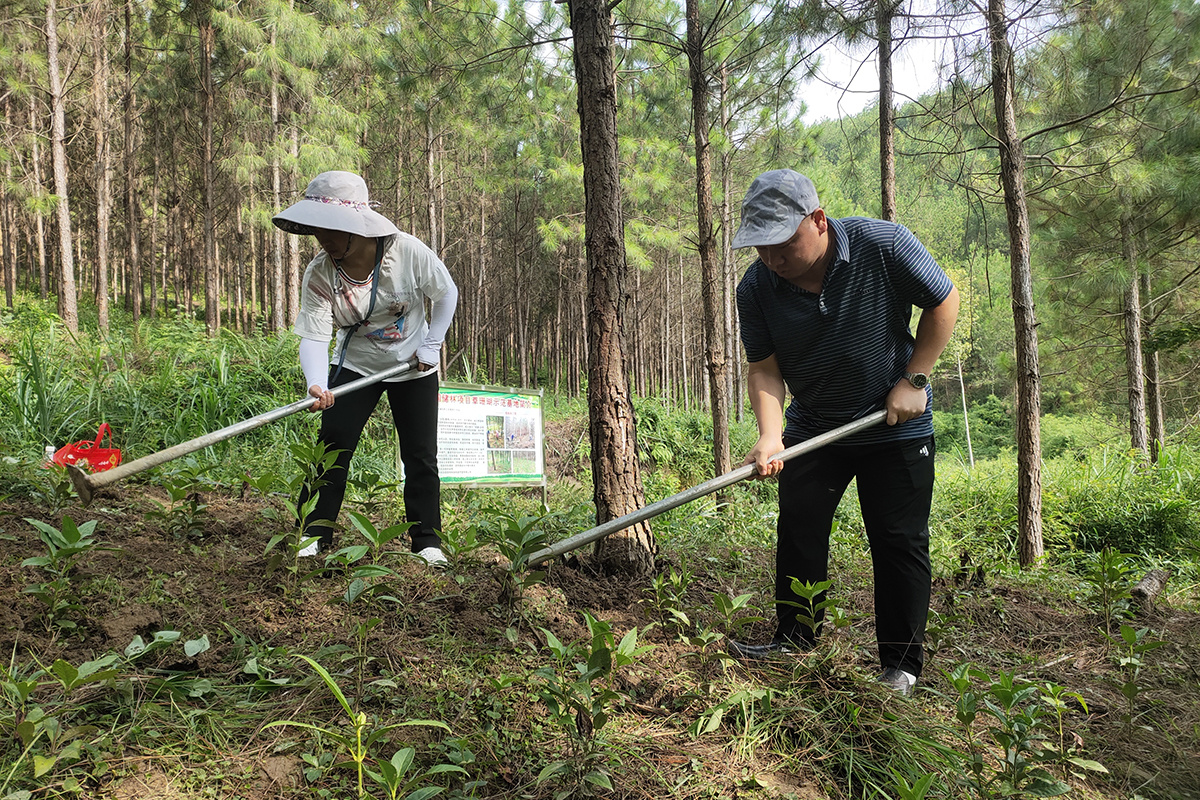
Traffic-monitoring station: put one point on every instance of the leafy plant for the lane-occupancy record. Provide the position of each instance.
(746, 707)
(1132, 645)
(1014, 712)
(668, 593)
(47, 738)
(310, 461)
(370, 491)
(49, 403)
(1107, 575)
(731, 612)
(359, 740)
(518, 539)
(917, 790)
(369, 576)
(183, 515)
(66, 547)
(809, 609)
(458, 543)
(578, 691)
(52, 489)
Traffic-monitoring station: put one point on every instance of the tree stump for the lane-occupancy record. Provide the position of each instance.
(1147, 590)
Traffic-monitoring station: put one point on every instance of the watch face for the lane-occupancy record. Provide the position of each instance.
(918, 379)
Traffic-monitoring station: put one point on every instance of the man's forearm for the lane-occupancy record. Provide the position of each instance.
(933, 333)
(767, 393)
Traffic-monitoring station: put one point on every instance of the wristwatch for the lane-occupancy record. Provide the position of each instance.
(919, 380)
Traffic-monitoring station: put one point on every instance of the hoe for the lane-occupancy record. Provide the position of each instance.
(86, 485)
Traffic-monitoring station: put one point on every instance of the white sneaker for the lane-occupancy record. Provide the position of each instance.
(310, 549)
(899, 680)
(433, 556)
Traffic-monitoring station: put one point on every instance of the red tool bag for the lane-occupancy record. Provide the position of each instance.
(90, 454)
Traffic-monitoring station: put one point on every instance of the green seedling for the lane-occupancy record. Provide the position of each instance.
(264, 484)
(377, 540)
(917, 790)
(183, 516)
(1132, 645)
(369, 577)
(138, 648)
(370, 492)
(310, 461)
(52, 489)
(744, 708)
(363, 734)
(1017, 723)
(39, 728)
(397, 778)
(260, 660)
(66, 547)
(733, 615)
(1108, 576)
(668, 592)
(1055, 697)
(458, 543)
(517, 538)
(813, 603)
(70, 678)
(579, 693)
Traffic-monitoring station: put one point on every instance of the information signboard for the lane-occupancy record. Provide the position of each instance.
(490, 436)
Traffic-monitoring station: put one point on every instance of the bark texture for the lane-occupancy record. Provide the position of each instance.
(711, 274)
(1029, 392)
(615, 473)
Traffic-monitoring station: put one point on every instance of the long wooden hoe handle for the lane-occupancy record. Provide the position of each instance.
(699, 490)
(86, 485)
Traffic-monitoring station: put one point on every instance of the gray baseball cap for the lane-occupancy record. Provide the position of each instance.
(774, 206)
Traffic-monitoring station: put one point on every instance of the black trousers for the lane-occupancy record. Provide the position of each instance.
(895, 490)
(414, 412)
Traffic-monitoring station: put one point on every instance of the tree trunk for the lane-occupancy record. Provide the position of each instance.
(618, 485)
(68, 308)
(157, 272)
(277, 235)
(684, 380)
(1029, 397)
(132, 217)
(103, 168)
(884, 11)
(711, 278)
(1132, 314)
(293, 243)
(212, 296)
(962, 387)
(8, 226)
(733, 350)
(1154, 406)
(431, 205)
(1146, 591)
(39, 222)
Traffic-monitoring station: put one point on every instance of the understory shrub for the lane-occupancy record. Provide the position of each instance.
(1118, 501)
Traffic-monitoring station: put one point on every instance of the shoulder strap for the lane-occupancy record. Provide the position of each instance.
(352, 329)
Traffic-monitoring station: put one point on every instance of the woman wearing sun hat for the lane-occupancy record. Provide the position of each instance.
(370, 282)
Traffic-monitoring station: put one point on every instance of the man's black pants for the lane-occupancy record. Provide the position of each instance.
(895, 490)
(414, 412)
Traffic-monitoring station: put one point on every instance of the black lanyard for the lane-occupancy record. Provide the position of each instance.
(350, 329)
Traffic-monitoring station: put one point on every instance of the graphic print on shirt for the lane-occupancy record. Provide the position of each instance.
(397, 308)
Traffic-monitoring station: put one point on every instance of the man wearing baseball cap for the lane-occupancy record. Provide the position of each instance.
(825, 312)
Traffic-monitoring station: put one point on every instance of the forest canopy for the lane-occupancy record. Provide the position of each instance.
(185, 126)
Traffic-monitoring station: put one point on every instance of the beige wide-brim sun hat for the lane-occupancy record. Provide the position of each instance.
(336, 201)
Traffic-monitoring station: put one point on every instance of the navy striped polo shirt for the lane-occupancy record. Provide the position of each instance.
(843, 350)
